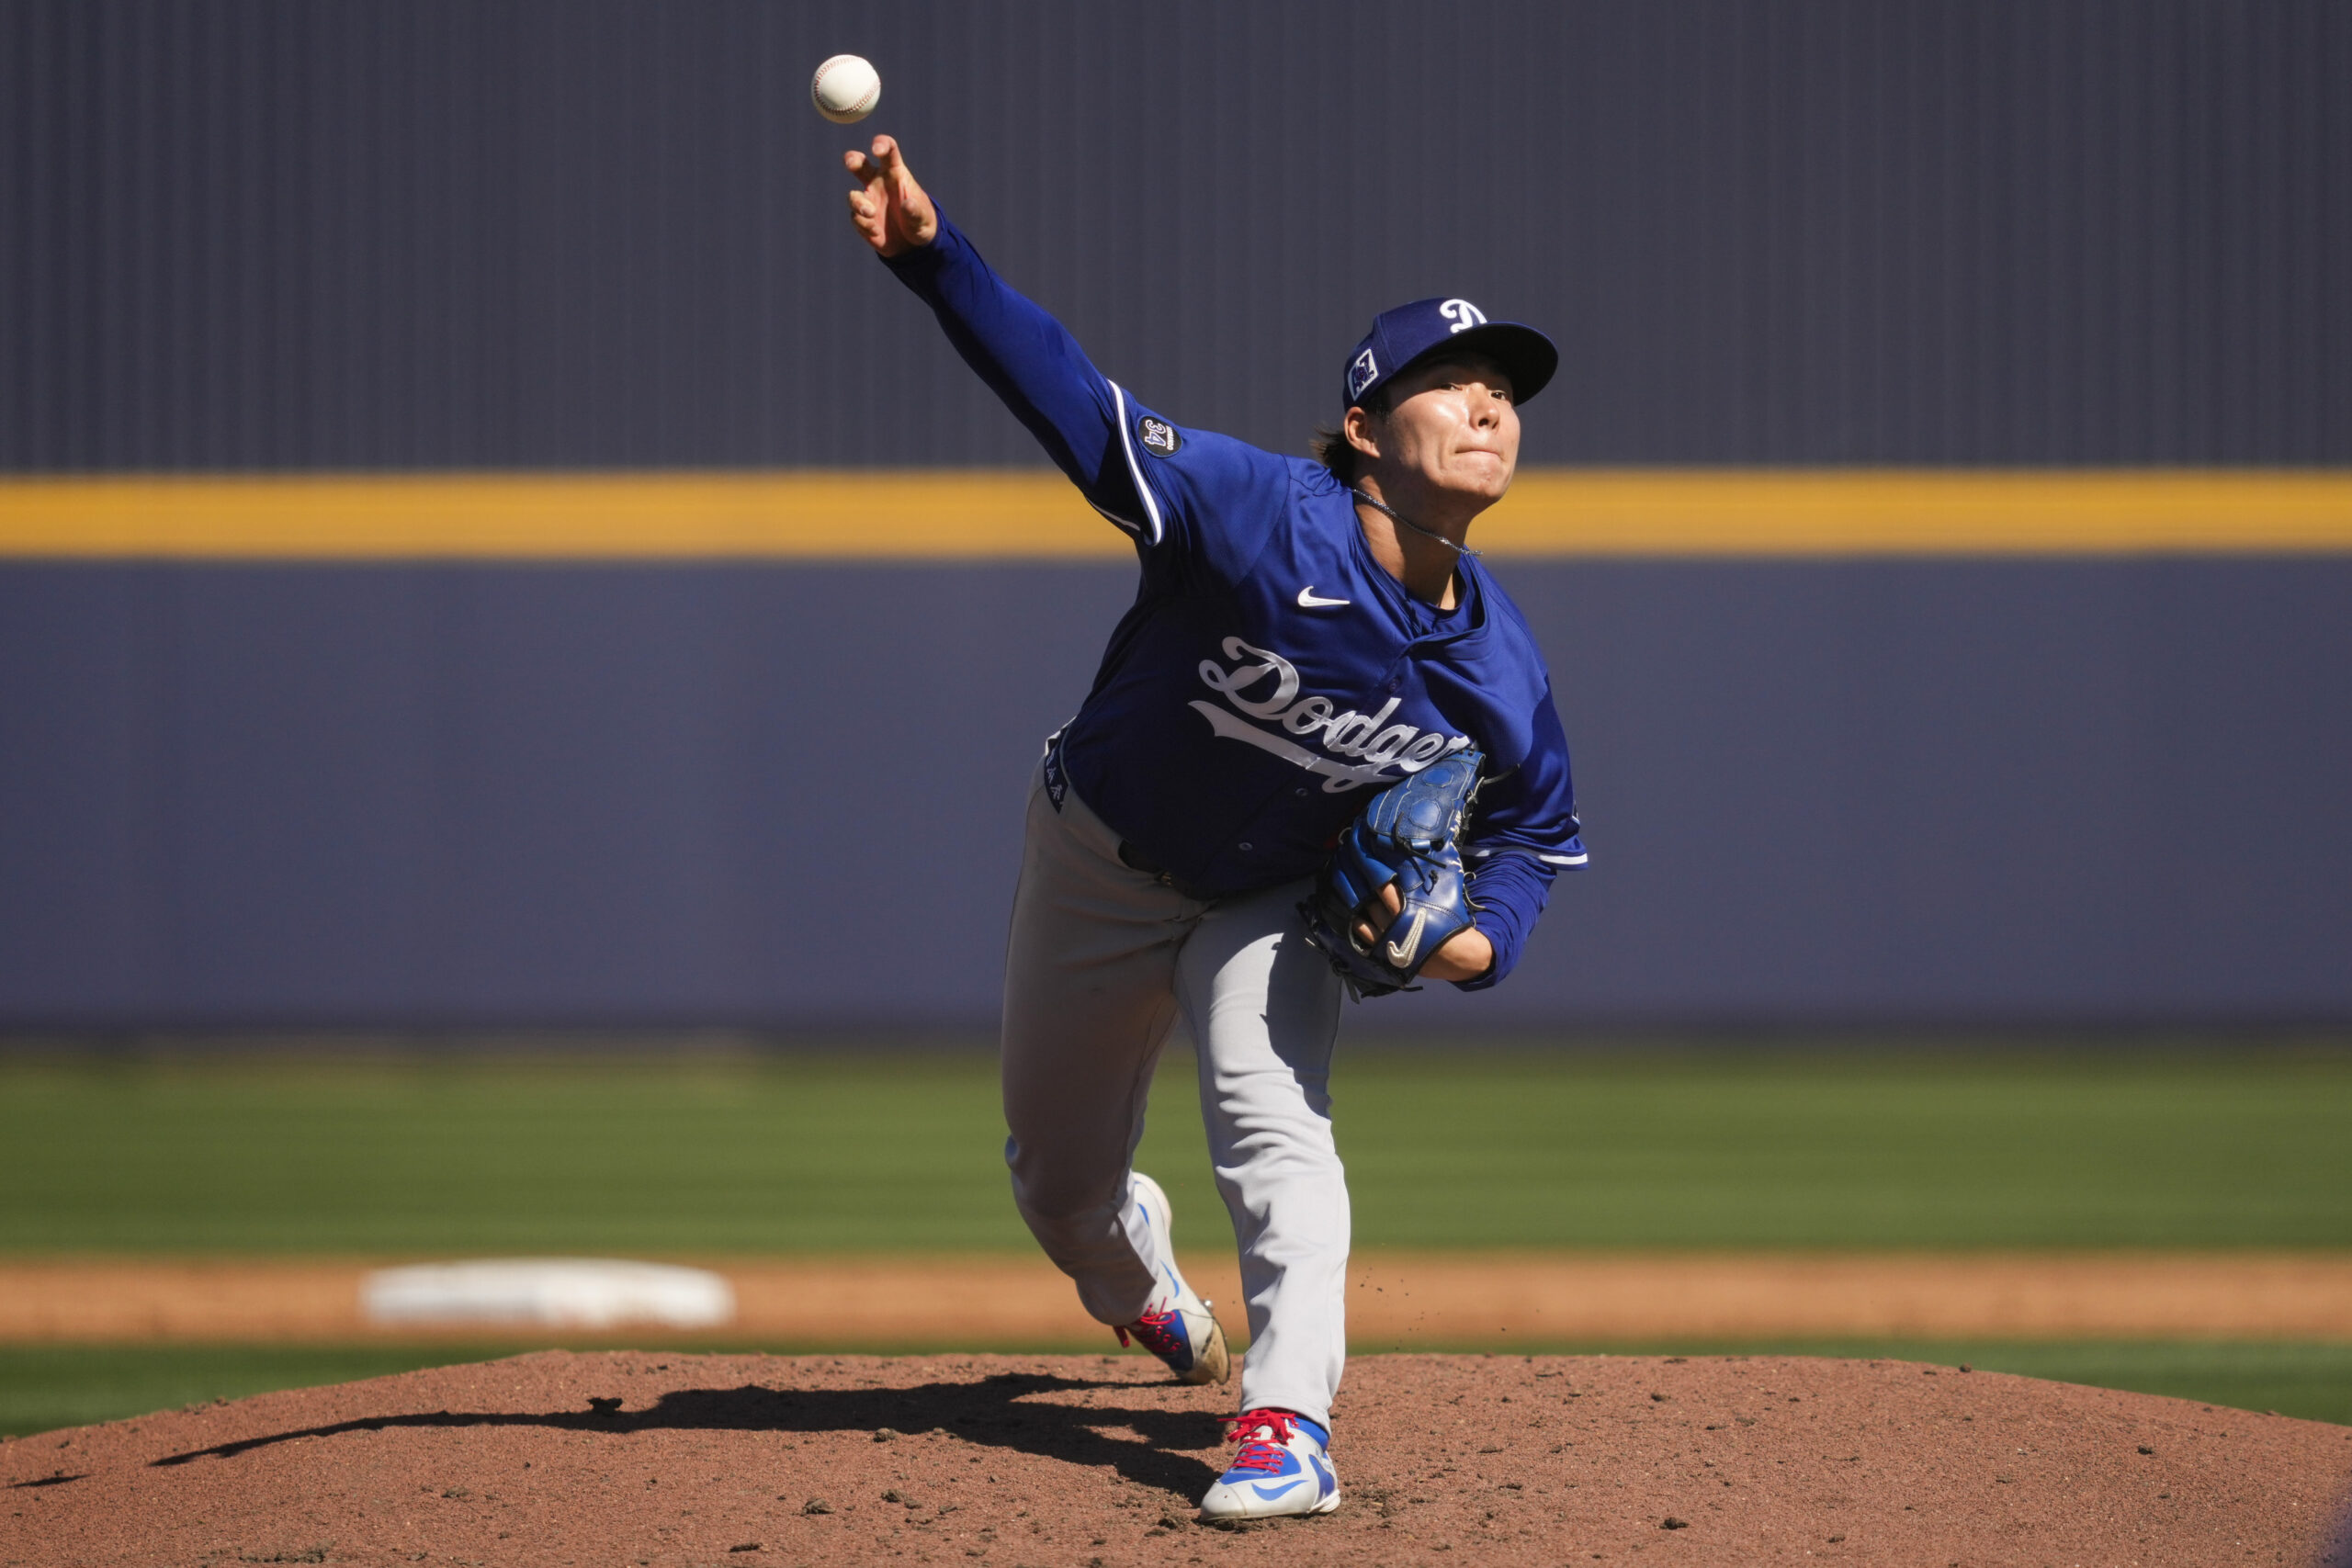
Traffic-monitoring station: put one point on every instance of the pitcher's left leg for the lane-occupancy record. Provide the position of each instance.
(1264, 1010)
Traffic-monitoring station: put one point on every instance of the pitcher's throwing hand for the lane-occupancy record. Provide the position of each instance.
(889, 208)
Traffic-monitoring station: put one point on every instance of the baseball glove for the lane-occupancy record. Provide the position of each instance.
(1407, 834)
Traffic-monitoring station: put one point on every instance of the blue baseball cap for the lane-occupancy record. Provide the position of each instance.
(1411, 332)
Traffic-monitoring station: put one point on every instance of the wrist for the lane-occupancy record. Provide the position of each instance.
(1469, 955)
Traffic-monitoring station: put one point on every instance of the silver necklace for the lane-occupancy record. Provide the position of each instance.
(1394, 517)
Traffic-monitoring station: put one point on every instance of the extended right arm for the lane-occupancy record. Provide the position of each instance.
(1027, 358)
(1030, 361)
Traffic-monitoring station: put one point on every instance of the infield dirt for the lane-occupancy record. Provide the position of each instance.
(665, 1460)
(1400, 1300)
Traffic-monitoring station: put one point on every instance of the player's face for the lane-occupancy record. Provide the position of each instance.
(1452, 426)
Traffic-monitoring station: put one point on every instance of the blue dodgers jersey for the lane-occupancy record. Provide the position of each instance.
(1270, 675)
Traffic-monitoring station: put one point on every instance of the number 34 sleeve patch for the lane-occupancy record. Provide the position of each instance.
(1158, 437)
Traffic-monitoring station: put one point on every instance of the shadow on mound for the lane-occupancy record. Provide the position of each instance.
(990, 1411)
(2337, 1552)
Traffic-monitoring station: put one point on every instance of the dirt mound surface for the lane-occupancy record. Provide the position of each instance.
(626, 1459)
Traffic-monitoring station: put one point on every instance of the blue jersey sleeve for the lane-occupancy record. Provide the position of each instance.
(1167, 486)
(1523, 832)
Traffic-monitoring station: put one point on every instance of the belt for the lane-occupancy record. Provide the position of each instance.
(1135, 859)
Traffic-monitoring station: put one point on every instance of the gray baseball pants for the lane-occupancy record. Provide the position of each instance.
(1104, 961)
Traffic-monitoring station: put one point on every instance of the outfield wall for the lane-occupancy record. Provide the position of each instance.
(788, 794)
(612, 603)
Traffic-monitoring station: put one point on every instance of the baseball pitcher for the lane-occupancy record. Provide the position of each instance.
(1320, 756)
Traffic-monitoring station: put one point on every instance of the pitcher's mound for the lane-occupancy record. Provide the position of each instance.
(626, 1459)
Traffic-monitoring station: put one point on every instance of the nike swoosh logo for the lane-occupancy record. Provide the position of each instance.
(1270, 1493)
(1401, 954)
(1310, 599)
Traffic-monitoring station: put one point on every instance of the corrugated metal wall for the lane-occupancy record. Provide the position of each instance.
(372, 233)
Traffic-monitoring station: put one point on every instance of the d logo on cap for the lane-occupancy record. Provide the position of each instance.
(1462, 314)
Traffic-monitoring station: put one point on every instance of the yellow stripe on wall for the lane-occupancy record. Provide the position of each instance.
(953, 515)
(1877, 511)
(854, 516)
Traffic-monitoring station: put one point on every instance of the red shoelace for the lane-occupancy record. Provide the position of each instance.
(1265, 1450)
(1162, 1332)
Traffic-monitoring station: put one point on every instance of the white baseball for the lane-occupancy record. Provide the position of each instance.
(846, 89)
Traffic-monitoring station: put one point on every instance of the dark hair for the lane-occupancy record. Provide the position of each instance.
(1331, 447)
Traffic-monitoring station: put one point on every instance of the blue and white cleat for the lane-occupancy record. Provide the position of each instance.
(1284, 1469)
(1183, 1333)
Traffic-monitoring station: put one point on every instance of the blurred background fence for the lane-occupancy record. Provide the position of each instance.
(2093, 777)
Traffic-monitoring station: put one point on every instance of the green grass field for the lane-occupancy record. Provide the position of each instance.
(699, 1155)
(795, 1154)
